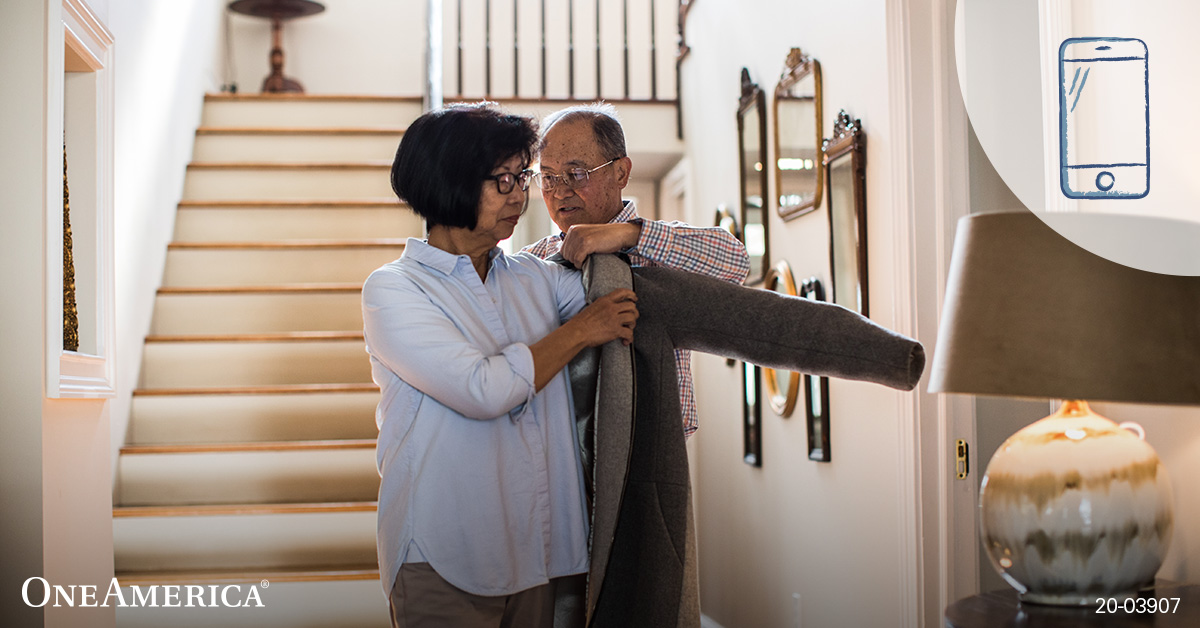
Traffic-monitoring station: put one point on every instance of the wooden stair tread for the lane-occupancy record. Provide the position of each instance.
(297, 130)
(271, 574)
(372, 243)
(285, 336)
(300, 288)
(210, 510)
(208, 448)
(207, 507)
(270, 165)
(293, 204)
(282, 389)
(283, 97)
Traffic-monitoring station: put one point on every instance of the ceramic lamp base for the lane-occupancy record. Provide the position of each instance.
(1075, 508)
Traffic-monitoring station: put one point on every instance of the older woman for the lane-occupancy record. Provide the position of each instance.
(481, 506)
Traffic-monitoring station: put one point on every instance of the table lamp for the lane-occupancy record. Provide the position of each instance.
(1073, 507)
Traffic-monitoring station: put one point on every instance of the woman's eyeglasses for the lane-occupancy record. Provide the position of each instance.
(505, 182)
(574, 178)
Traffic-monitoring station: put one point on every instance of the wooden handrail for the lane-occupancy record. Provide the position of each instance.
(627, 45)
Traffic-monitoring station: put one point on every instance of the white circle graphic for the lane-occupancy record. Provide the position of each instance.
(1086, 108)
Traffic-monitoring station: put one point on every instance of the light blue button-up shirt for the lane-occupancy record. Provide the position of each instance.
(481, 478)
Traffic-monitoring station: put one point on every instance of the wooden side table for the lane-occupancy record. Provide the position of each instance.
(1002, 609)
(277, 11)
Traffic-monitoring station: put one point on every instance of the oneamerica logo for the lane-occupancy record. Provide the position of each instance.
(173, 595)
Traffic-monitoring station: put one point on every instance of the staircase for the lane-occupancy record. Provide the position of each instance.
(250, 456)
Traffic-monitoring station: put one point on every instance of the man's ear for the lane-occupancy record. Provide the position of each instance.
(624, 167)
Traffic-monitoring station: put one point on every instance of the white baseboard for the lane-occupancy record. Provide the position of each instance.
(708, 622)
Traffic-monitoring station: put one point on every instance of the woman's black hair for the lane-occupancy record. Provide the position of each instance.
(446, 154)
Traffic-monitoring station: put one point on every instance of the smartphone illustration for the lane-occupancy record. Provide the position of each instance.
(1104, 118)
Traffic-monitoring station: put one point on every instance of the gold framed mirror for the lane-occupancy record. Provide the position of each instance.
(846, 181)
(782, 386)
(752, 157)
(728, 221)
(799, 166)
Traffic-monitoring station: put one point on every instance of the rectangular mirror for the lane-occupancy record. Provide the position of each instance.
(845, 172)
(816, 392)
(799, 168)
(752, 156)
(751, 414)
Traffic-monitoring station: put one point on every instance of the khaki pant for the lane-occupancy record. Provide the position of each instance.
(423, 599)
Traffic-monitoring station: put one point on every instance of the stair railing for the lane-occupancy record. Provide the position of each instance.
(472, 66)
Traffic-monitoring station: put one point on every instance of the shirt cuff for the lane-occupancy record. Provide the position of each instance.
(653, 241)
(520, 360)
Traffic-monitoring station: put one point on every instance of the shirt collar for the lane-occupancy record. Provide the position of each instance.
(628, 212)
(445, 262)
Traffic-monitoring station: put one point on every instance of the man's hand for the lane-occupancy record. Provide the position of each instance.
(581, 241)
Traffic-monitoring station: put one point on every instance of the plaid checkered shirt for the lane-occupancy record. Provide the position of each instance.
(710, 251)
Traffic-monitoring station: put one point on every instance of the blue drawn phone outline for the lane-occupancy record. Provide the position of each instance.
(1063, 166)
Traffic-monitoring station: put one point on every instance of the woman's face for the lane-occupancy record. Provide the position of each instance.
(499, 213)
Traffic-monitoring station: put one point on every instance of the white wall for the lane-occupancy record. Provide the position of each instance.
(372, 47)
(826, 531)
(21, 346)
(166, 60)
(1168, 31)
(54, 464)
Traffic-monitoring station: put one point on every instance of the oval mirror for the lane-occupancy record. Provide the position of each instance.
(782, 386)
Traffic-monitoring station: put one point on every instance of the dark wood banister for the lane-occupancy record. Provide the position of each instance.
(571, 86)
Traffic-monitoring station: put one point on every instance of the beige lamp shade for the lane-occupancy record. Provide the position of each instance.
(1028, 313)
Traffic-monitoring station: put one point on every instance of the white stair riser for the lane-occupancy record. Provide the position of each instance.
(262, 184)
(247, 477)
(309, 114)
(242, 267)
(244, 541)
(295, 148)
(252, 418)
(203, 364)
(244, 224)
(345, 604)
(232, 313)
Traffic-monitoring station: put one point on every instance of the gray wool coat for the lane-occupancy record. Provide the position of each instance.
(643, 540)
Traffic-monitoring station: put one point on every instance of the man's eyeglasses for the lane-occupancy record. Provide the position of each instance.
(506, 181)
(574, 178)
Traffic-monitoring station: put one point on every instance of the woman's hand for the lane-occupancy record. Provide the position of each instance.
(610, 317)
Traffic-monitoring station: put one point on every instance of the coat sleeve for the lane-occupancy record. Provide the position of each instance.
(774, 330)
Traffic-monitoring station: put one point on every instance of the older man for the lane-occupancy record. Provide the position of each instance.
(584, 167)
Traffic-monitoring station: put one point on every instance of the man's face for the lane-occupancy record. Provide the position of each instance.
(572, 144)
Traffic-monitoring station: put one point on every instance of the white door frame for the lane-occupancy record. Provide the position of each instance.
(930, 192)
